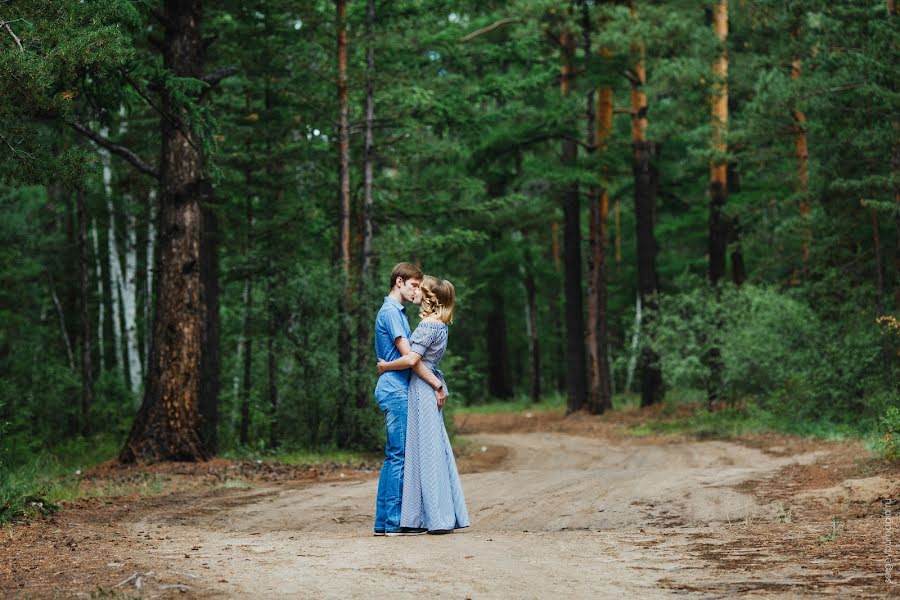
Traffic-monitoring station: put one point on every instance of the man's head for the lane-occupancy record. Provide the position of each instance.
(405, 281)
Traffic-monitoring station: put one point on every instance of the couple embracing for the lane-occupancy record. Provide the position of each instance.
(419, 490)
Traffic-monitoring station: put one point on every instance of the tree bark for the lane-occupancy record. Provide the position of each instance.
(645, 222)
(87, 376)
(718, 186)
(558, 348)
(718, 180)
(363, 397)
(246, 392)
(881, 309)
(533, 334)
(599, 126)
(499, 376)
(600, 390)
(343, 338)
(271, 368)
(575, 331)
(801, 151)
(168, 425)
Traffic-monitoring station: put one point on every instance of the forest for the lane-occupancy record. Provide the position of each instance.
(638, 203)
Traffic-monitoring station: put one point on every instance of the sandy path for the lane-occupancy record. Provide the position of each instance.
(563, 516)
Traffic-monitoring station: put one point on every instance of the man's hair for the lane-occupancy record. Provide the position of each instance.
(404, 271)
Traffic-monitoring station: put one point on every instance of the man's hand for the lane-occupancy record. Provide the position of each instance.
(441, 397)
(380, 366)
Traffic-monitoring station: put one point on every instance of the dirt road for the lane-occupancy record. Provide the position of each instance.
(560, 516)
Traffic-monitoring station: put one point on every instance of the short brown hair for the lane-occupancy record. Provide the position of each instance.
(404, 271)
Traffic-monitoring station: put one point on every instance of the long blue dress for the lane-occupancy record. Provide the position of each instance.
(432, 493)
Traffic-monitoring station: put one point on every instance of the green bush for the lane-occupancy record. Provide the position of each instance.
(775, 350)
(889, 430)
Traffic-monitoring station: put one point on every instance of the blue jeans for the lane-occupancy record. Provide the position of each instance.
(390, 484)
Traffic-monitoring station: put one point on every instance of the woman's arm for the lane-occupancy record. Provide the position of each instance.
(413, 360)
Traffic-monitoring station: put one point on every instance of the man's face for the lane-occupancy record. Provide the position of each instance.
(410, 291)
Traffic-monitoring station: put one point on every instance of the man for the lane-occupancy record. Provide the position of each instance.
(391, 342)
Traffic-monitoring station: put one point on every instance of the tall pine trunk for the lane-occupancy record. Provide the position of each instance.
(600, 390)
(558, 349)
(168, 425)
(575, 354)
(343, 340)
(599, 125)
(366, 266)
(247, 334)
(645, 222)
(87, 377)
(533, 334)
(718, 185)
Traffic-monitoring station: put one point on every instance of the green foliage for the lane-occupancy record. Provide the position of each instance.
(775, 350)
(889, 429)
(467, 182)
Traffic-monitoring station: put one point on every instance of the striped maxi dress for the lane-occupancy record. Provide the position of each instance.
(432, 492)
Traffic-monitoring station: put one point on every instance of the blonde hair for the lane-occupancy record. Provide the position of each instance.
(438, 298)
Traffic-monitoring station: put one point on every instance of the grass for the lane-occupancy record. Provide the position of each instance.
(38, 486)
(304, 457)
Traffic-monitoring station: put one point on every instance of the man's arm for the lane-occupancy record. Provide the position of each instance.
(413, 360)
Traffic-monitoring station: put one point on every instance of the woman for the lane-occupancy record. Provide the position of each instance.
(432, 493)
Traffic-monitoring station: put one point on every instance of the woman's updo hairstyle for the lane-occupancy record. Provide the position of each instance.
(438, 297)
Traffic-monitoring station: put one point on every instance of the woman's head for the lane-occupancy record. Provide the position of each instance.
(438, 297)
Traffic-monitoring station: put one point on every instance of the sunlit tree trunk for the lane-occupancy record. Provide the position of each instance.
(599, 126)
(718, 180)
(718, 185)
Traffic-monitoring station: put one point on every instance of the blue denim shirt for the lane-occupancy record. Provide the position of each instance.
(390, 324)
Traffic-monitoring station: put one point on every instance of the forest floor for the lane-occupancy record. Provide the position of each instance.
(560, 507)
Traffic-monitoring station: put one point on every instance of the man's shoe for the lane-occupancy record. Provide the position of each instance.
(407, 531)
(439, 531)
(379, 532)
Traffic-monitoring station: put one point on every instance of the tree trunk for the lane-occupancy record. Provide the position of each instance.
(271, 369)
(600, 391)
(575, 359)
(500, 383)
(558, 348)
(343, 338)
(101, 305)
(113, 265)
(718, 186)
(363, 396)
(718, 180)
(881, 309)
(247, 336)
(645, 222)
(87, 376)
(801, 151)
(168, 425)
(533, 336)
